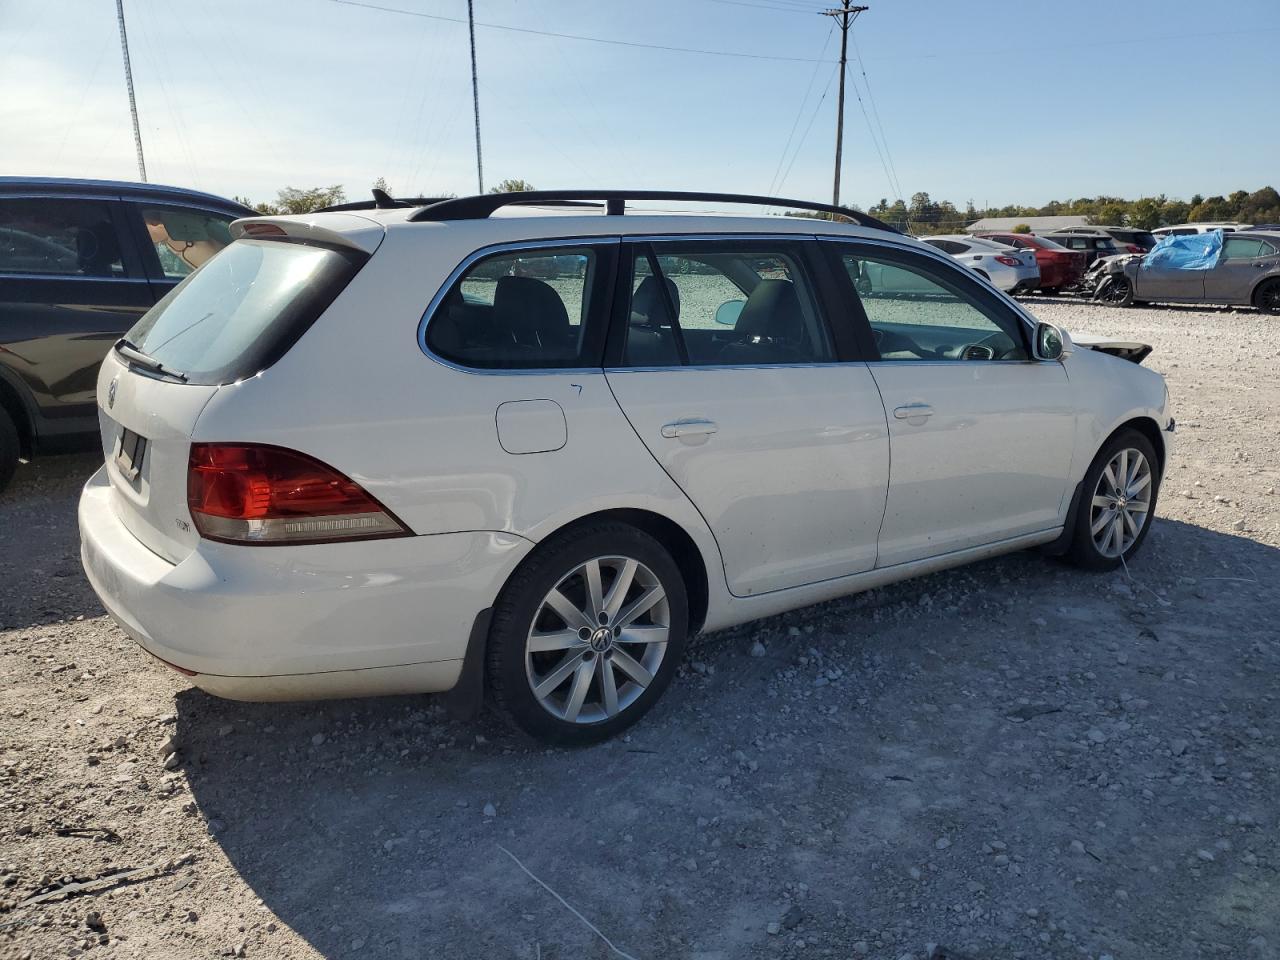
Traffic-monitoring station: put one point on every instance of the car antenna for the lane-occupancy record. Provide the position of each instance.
(382, 200)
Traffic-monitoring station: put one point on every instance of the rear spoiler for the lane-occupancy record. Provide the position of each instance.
(1131, 350)
(341, 229)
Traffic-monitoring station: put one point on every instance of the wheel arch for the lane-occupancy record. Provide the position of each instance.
(14, 404)
(684, 551)
(1149, 429)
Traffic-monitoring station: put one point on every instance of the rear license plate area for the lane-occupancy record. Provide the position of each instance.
(130, 451)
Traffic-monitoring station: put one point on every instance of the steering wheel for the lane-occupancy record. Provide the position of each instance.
(997, 343)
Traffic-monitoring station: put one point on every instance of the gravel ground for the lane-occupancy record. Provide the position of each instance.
(1012, 760)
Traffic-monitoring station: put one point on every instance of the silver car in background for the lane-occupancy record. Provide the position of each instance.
(1247, 272)
(1007, 268)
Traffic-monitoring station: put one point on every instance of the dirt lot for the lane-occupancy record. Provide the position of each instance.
(1014, 760)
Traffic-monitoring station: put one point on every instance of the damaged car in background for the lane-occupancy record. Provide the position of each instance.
(1231, 269)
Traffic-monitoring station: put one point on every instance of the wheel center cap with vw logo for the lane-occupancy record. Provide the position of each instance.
(601, 639)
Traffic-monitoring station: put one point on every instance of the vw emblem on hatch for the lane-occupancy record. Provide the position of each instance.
(111, 393)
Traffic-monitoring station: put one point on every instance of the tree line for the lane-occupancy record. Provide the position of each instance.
(923, 215)
(293, 200)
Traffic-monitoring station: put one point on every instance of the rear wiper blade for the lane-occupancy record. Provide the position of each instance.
(140, 359)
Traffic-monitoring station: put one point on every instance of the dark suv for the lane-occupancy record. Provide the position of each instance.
(80, 261)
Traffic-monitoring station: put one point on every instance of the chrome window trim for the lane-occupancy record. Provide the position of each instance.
(480, 254)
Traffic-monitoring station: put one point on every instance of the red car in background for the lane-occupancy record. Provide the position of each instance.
(1059, 267)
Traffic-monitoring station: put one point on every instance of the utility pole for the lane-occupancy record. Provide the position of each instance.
(475, 92)
(844, 16)
(128, 79)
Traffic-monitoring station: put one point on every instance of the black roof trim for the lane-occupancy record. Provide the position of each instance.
(129, 190)
(480, 207)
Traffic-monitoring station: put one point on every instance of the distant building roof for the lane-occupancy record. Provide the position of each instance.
(1037, 224)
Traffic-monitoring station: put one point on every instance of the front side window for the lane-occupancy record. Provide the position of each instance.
(722, 304)
(185, 239)
(918, 312)
(58, 237)
(522, 309)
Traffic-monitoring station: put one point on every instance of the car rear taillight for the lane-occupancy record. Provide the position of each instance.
(260, 494)
(1009, 261)
(1134, 248)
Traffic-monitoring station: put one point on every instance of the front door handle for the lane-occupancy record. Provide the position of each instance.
(912, 412)
(690, 427)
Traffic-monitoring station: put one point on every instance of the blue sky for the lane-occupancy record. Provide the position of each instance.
(999, 102)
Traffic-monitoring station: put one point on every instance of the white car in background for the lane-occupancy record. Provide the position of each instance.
(1008, 268)
(527, 457)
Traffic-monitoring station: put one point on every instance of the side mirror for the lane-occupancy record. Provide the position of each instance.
(1051, 342)
(727, 313)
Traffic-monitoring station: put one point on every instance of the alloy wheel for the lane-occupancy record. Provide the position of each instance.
(1121, 503)
(1117, 292)
(597, 640)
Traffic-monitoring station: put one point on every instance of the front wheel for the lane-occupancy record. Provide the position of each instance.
(1119, 498)
(1267, 297)
(587, 634)
(1118, 293)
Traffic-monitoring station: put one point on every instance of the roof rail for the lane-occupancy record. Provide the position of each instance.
(381, 201)
(480, 207)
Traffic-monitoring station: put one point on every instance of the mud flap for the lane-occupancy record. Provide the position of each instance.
(1057, 548)
(466, 698)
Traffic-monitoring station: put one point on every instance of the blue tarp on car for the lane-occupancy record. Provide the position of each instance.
(1192, 251)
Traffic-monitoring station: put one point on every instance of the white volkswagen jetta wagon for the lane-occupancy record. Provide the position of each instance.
(524, 446)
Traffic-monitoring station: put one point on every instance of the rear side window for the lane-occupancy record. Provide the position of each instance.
(522, 309)
(724, 303)
(58, 236)
(184, 239)
(242, 310)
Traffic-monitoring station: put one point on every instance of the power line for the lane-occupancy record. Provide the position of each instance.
(799, 113)
(805, 135)
(574, 36)
(895, 183)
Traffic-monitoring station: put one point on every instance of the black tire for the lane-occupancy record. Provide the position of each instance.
(1267, 297)
(520, 608)
(1048, 291)
(10, 448)
(1084, 550)
(1120, 293)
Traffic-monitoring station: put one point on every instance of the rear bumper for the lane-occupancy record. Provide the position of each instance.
(299, 622)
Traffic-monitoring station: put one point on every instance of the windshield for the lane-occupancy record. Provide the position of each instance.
(242, 310)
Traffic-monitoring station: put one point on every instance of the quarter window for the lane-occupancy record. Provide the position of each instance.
(56, 236)
(518, 310)
(916, 312)
(722, 304)
(185, 239)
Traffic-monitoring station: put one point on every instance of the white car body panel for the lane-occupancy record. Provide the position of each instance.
(443, 448)
(792, 482)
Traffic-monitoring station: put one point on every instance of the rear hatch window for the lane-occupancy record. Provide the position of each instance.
(244, 309)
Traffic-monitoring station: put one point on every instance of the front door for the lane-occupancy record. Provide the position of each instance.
(1244, 260)
(980, 434)
(727, 371)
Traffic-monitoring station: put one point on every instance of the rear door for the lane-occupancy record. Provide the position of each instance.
(71, 283)
(723, 363)
(1244, 260)
(980, 434)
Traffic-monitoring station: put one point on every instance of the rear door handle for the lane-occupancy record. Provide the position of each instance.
(689, 427)
(912, 411)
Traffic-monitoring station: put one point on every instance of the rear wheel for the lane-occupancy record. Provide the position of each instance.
(587, 634)
(1119, 494)
(1267, 297)
(10, 448)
